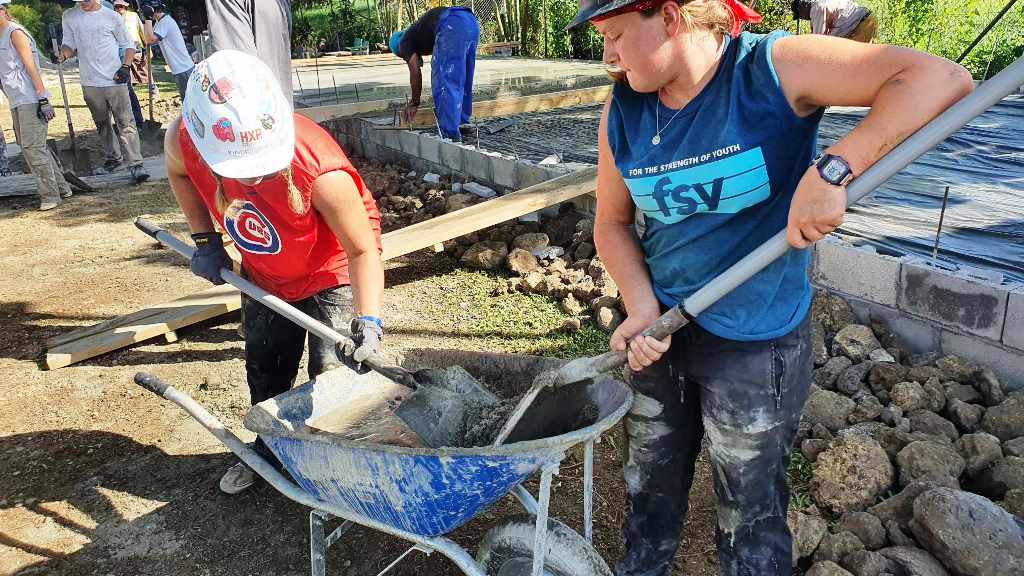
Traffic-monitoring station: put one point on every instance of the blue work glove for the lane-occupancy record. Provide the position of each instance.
(122, 74)
(367, 333)
(209, 257)
(45, 111)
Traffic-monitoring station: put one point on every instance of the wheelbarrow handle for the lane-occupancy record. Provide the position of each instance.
(377, 363)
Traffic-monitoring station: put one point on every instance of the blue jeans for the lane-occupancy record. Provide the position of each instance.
(747, 398)
(451, 70)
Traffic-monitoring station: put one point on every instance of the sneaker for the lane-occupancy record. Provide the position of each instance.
(138, 173)
(48, 206)
(66, 193)
(238, 478)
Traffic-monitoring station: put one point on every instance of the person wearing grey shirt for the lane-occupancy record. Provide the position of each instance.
(105, 54)
(261, 28)
(31, 111)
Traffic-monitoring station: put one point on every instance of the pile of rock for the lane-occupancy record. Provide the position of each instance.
(554, 257)
(406, 198)
(920, 459)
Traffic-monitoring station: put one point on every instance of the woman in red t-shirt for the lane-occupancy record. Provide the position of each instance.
(302, 218)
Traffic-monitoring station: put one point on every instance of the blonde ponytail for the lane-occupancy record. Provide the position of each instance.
(228, 208)
(295, 201)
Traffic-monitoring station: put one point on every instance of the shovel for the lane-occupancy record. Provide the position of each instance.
(926, 138)
(444, 401)
(81, 163)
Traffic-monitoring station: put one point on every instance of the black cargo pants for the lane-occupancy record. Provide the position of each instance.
(747, 398)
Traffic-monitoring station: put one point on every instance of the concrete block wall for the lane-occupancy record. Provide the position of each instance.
(930, 308)
(425, 152)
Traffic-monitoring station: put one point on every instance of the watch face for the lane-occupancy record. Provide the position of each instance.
(834, 170)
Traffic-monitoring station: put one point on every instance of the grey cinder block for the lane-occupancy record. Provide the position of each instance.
(857, 272)
(968, 305)
(503, 172)
(1013, 327)
(452, 156)
(1008, 364)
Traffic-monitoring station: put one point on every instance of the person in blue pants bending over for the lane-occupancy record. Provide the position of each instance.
(451, 35)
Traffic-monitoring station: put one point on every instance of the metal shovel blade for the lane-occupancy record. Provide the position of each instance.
(448, 407)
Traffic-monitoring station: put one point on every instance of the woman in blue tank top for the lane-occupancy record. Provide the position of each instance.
(706, 149)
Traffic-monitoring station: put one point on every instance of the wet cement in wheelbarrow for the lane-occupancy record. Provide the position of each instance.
(451, 408)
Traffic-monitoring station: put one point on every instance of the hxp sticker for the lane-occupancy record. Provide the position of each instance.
(221, 91)
(252, 231)
(223, 130)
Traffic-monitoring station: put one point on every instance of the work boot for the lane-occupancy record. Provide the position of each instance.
(43, 207)
(238, 478)
(111, 166)
(138, 173)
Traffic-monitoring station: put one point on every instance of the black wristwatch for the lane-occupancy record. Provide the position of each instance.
(833, 169)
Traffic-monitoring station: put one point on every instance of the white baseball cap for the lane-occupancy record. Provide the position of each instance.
(237, 116)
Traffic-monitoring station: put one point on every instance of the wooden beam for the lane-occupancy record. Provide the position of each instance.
(512, 106)
(150, 323)
(489, 213)
(164, 319)
(25, 184)
(485, 109)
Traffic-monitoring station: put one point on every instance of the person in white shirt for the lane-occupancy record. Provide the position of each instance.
(162, 29)
(98, 35)
(842, 18)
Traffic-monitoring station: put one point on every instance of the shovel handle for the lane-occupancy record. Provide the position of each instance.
(377, 363)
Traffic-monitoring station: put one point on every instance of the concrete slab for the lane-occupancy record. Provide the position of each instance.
(967, 305)
(1008, 364)
(856, 271)
(1013, 327)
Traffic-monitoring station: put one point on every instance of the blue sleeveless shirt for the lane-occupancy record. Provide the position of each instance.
(717, 186)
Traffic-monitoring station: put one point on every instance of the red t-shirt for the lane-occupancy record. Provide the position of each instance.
(290, 255)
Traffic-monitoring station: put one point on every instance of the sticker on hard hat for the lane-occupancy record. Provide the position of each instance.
(252, 231)
(197, 124)
(223, 131)
(221, 91)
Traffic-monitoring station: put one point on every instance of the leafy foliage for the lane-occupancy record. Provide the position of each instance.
(35, 15)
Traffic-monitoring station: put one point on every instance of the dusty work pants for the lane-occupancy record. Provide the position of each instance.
(747, 398)
(30, 131)
(104, 102)
(452, 68)
(274, 344)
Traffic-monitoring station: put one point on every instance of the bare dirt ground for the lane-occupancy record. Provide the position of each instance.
(101, 477)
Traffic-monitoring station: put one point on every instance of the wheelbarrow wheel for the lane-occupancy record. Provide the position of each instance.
(507, 550)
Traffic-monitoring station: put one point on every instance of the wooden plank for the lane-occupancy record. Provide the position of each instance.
(25, 184)
(537, 102)
(485, 109)
(494, 211)
(117, 333)
(171, 316)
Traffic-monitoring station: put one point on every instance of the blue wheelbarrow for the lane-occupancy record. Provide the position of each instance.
(420, 494)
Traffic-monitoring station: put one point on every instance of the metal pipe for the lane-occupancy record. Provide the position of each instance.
(938, 231)
(926, 138)
(291, 490)
(991, 24)
(588, 491)
(376, 362)
(540, 532)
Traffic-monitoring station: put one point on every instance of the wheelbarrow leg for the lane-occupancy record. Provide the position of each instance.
(540, 534)
(588, 492)
(319, 542)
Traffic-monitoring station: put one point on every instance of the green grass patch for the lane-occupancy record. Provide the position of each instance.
(474, 304)
(800, 474)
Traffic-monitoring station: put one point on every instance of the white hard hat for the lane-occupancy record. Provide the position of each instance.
(237, 116)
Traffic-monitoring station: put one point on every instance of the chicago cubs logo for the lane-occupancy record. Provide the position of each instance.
(197, 124)
(252, 231)
(223, 130)
(221, 91)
